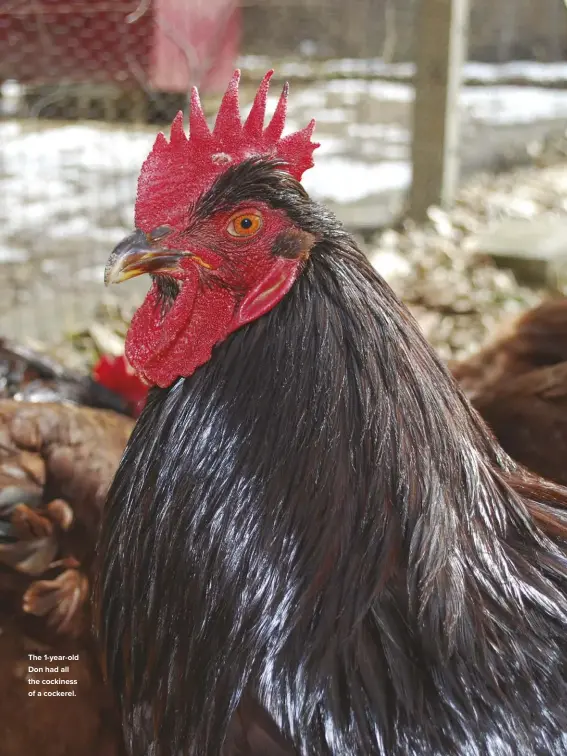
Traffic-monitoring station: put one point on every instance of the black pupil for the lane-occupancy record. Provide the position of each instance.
(246, 223)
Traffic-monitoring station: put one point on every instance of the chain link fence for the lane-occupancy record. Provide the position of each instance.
(85, 85)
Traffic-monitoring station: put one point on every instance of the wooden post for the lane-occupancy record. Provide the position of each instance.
(440, 51)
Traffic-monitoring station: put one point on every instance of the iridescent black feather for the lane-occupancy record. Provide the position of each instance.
(315, 546)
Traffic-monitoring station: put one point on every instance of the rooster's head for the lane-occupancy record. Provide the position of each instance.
(214, 230)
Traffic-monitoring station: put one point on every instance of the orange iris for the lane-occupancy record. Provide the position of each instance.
(245, 224)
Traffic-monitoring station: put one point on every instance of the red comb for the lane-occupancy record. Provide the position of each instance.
(175, 173)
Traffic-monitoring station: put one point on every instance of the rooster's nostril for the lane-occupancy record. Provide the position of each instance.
(159, 233)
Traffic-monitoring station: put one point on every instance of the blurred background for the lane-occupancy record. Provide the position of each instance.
(85, 86)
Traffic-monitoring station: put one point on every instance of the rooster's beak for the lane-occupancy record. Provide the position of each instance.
(139, 253)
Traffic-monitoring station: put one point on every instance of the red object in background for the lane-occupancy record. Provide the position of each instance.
(159, 45)
(116, 374)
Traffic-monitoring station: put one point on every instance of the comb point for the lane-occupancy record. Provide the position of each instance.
(177, 135)
(254, 125)
(276, 126)
(198, 126)
(161, 141)
(228, 117)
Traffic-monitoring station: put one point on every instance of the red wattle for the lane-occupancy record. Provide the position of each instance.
(150, 333)
(199, 319)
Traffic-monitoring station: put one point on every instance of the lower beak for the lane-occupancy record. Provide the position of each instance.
(137, 255)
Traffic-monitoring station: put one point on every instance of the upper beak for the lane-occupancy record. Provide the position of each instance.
(138, 254)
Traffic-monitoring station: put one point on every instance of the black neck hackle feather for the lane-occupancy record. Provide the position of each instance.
(314, 546)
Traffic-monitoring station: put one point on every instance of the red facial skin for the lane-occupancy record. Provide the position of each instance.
(227, 281)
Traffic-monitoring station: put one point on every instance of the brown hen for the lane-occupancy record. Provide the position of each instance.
(56, 462)
(518, 383)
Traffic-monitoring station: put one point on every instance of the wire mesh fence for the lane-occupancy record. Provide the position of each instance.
(86, 85)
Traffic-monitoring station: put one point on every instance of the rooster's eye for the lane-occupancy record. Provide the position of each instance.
(245, 224)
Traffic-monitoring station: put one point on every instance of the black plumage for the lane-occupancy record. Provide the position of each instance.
(314, 545)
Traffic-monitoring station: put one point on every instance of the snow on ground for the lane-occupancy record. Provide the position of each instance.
(344, 180)
(501, 106)
(67, 191)
(521, 70)
(64, 181)
(527, 70)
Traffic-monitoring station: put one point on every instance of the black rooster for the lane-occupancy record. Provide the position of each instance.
(313, 545)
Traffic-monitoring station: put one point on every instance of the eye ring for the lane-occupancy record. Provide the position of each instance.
(244, 224)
